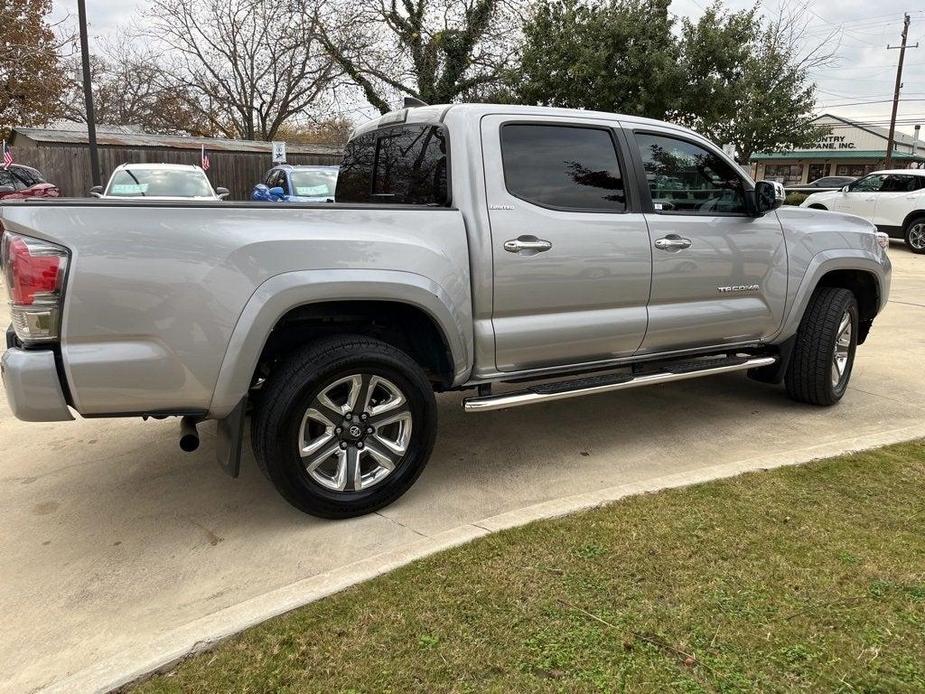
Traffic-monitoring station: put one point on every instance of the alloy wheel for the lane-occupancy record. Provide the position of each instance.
(917, 236)
(355, 432)
(842, 351)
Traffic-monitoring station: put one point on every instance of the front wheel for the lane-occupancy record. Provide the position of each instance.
(823, 355)
(915, 235)
(345, 426)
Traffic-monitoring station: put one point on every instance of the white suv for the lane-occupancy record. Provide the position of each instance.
(893, 200)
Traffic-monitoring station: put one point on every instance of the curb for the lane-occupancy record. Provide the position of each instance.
(169, 648)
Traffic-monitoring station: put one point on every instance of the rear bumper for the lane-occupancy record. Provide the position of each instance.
(33, 390)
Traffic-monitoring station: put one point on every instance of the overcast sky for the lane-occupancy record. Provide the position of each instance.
(865, 70)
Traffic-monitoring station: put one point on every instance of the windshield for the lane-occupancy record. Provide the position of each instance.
(313, 184)
(150, 183)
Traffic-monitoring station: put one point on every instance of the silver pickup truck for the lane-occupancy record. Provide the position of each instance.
(569, 252)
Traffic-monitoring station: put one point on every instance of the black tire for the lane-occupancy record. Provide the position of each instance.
(809, 376)
(917, 244)
(291, 389)
(817, 206)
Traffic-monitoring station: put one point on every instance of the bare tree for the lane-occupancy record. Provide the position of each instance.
(249, 65)
(130, 88)
(434, 50)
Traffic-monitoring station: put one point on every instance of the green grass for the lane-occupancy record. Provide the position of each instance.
(808, 578)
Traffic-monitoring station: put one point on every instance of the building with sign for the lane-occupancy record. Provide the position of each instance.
(852, 148)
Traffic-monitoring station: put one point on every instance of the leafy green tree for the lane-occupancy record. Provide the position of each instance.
(746, 80)
(618, 56)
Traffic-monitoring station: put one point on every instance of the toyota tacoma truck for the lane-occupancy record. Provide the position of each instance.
(566, 252)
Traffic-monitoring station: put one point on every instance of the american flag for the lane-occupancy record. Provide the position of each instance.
(7, 156)
(205, 159)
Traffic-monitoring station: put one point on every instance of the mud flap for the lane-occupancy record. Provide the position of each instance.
(229, 437)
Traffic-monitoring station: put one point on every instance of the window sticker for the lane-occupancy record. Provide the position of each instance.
(129, 189)
(312, 191)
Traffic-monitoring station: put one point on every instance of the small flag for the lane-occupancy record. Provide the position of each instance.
(205, 159)
(7, 155)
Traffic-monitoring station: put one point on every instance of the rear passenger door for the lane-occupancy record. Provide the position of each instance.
(899, 195)
(570, 252)
(719, 274)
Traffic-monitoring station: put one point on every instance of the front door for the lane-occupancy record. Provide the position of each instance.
(719, 275)
(571, 263)
(860, 198)
(816, 171)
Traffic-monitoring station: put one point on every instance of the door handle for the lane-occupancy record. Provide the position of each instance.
(527, 243)
(672, 242)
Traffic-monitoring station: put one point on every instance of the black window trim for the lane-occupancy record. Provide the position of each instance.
(632, 202)
(646, 194)
(383, 130)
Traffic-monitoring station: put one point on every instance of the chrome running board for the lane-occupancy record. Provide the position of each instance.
(605, 384)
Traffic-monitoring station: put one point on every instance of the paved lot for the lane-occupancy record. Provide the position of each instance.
(114, 543)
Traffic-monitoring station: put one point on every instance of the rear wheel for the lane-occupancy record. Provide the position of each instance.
(823, 355)
(345, 426)
(915, 235)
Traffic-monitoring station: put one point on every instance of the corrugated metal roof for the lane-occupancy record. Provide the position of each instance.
(898, 136)
(76, 126)
(118, 139)
(836, 154)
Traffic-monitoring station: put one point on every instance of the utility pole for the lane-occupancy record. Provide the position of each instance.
(88, 94)
(899, 84)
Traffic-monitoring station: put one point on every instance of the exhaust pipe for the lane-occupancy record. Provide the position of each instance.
(189, 437)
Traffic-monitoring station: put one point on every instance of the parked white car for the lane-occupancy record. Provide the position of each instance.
(159, 181)
(894, 200)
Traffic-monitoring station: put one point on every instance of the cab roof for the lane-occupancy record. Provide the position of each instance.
(439, 113)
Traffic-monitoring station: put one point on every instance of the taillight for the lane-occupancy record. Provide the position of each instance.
(34, 272)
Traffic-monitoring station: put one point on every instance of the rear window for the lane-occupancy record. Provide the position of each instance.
(405, 165)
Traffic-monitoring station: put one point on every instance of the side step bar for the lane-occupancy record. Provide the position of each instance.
(608, 383)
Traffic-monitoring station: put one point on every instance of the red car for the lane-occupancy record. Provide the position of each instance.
(18, 182)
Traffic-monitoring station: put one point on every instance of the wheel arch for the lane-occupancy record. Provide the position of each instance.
(912, 215)
(293, 306)
(859, 271)
(866, 290)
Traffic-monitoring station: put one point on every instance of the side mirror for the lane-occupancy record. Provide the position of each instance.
(7, 189)
(222, 192)
(96, 191)
(769, 195)
(844, 188)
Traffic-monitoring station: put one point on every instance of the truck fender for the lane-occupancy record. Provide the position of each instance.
(820, 265)
(282, 293)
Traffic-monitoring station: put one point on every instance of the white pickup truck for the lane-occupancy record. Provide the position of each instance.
(569, 252)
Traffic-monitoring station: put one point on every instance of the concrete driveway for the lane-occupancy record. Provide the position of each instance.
(117, 551)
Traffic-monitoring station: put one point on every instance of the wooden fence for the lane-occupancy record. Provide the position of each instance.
(67, 164)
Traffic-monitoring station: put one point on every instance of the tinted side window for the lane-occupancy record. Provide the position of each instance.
(898, 183)
(562, 166)
(868, 184)
(404, 165)
(686, 178)
(6, 179)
